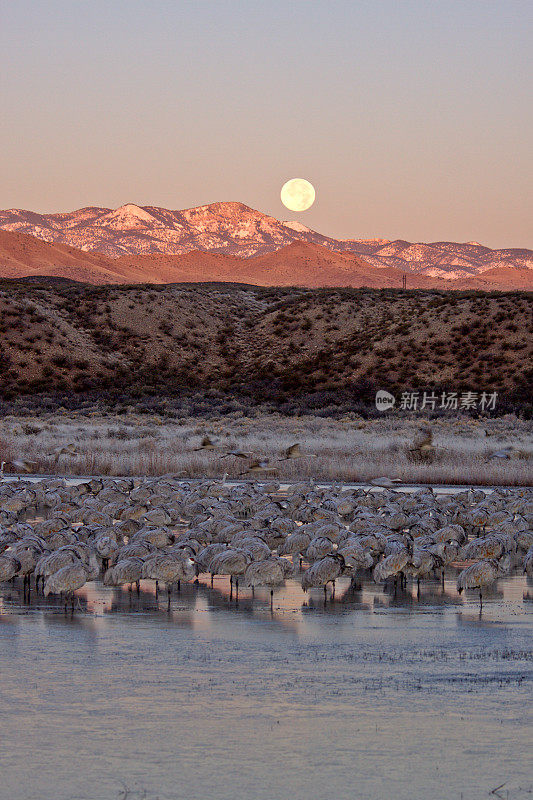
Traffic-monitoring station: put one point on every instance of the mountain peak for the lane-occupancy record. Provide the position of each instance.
(131, 211)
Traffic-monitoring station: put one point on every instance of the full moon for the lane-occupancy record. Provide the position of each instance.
(297, 194)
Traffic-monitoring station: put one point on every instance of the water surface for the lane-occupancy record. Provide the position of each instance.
(370, 696)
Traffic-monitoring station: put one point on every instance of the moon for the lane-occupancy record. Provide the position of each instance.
(297, 194)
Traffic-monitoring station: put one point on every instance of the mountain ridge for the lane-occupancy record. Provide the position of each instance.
(300, 263)
(236, 229)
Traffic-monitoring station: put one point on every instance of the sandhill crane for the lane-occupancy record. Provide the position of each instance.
(524, 540)
(65, 450)
(19, 465)
(27, 554)
(449, 532)
(385, 482)
(165, 522)
(67, 579)
(295, 451)
(485, 547)
(295, 545)
(106, 548)
(52, 562)
(206, 444)
(528, 562)
(204, 558)
(9, 567)
(256, 548)
(355, 555)
(393, 564)
(233, 563)
(287, 567)
(126, 571)
(260, 467)
(156, 537)
(264, 573)
(319, 547)
(476, 576)
(136, 550)
(237, 454)
(376, 542)
(170, 569)
(423, 563)
(322, 572)
(422, 448)
(446, 551)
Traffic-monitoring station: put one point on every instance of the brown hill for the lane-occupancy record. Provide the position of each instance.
(194, 266)
(22, 255)
(275, 344)
(308, 264)
(305, 264)
(300, 263)
(500, 278)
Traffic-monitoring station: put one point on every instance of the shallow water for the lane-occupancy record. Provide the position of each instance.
(370, 696)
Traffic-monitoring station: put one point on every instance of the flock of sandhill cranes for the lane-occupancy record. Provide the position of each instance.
(168, 530)
(256, 466)
(26, 465)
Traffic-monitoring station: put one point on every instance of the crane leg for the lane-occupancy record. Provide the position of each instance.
(169, 592)
(138, 588)
(271, 599)
(231, 587)
(179, 586)
(480, 600)
(236, 590)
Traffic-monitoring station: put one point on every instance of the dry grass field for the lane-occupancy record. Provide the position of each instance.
(346, 449)
(131, 378)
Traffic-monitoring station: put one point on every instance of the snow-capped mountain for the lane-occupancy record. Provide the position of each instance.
(237, 229)
(231, 228)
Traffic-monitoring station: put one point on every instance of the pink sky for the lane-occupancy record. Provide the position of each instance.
(413, 120)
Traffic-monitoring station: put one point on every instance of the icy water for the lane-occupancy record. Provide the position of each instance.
(370, 696)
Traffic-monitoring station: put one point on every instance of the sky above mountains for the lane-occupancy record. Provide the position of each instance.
(411, 119)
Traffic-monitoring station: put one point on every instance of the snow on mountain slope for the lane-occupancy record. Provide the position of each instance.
(236, 229)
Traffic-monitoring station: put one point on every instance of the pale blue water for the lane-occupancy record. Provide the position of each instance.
(368, 697)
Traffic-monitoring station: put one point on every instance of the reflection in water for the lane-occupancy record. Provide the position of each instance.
(380, 693)
(203, 598)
